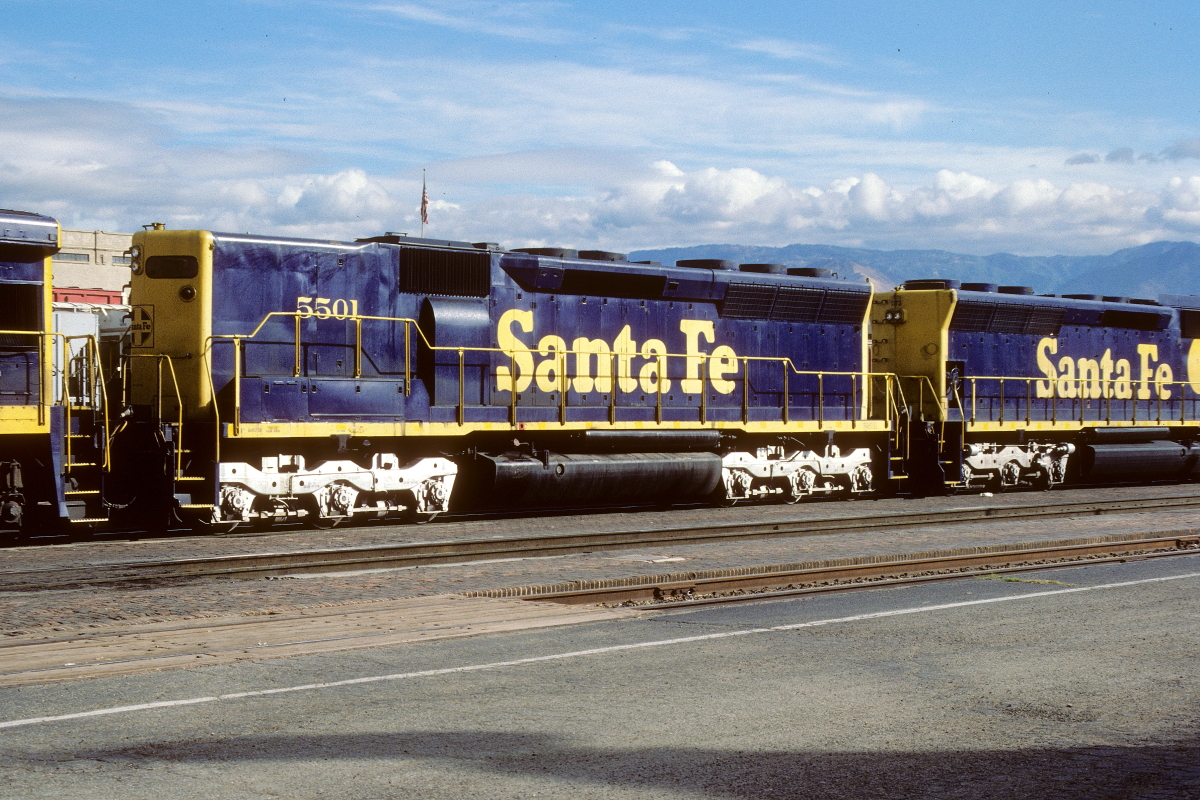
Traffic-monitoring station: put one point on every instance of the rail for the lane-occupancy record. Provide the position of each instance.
(483, 547)
(857, 390)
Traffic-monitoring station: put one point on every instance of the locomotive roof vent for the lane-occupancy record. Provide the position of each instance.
(649, 263)
(980, 287)
(486, 245)
(1141, 302)
(811, 272)
(1028, 290)
(1112, 299)
(557, 252)
(602, 255)
(770, 269)
(707, 263)
(1083, 296)
(931, 283)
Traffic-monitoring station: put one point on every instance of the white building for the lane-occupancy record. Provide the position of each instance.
(92, 267)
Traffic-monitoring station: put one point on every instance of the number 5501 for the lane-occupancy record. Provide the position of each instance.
(324, 308)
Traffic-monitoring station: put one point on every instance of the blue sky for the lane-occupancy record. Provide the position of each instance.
(972, 127)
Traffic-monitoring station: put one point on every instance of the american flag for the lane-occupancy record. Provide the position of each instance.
(424, 202)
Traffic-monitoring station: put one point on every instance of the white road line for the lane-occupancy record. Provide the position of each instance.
(17, 723)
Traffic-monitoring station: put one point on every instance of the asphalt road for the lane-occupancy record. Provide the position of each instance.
(1081, 687)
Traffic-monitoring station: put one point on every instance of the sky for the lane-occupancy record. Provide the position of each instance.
(978, 128)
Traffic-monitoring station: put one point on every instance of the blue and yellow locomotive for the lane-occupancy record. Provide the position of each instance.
(53, 410)
(1013, 389)
(285, 379)
(277, 379)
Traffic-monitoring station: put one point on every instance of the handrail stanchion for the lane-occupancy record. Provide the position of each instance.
(103, 399)
(564, 386)
(787, 396)
(821, 398)
(512, 387)
(408, 366)
(358, 347)
(237, 386)
(613, 383)
(179, 417)
(745, 391)
(855, 407)
(462, 410)
(296, 368)
(1001, 420)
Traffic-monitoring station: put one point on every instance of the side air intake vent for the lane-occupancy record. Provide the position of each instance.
(977, 315)
(795, 304)
(445, 272)
(748, 301)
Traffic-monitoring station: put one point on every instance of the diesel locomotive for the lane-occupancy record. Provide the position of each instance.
(283, 379)
(1035, 391)
(274, 379)
(53, 404)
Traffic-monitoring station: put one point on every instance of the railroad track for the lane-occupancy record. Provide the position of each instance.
(345, 559)
(870, 573)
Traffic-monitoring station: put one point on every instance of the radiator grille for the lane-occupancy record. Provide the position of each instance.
(844, 307)
(795, 304)
(444, 272)
(975, 315)
(748, 301)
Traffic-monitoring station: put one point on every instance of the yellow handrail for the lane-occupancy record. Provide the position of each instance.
(786, 362)
(1106, 387)
(161, 357)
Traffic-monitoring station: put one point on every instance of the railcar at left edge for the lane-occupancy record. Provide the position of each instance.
(53, 410)
(276, 379)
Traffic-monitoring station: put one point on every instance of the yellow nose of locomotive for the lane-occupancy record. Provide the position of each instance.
(172, 280)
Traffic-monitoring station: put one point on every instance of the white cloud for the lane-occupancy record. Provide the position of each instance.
(780, 48)
(509, 20)
(1181, 204)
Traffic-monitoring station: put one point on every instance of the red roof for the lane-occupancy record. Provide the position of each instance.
(99, 296)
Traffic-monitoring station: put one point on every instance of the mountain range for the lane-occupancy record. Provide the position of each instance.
(1145, 271)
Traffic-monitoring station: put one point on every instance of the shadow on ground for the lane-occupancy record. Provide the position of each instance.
(507, 761)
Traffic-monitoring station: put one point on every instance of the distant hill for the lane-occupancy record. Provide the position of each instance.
(1145, 271)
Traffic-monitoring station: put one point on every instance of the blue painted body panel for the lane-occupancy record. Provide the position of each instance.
(253, 277)
(1061, 387)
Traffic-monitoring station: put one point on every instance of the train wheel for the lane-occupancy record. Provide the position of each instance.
(324, 523)
(206, 528)
(413, 517)
(1042, 481)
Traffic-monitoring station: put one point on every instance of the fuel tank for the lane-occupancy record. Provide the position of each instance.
(1142, 460)
(546, 479)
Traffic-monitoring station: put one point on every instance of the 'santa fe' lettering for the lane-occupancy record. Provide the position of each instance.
(1094, 378)
(595, 365)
